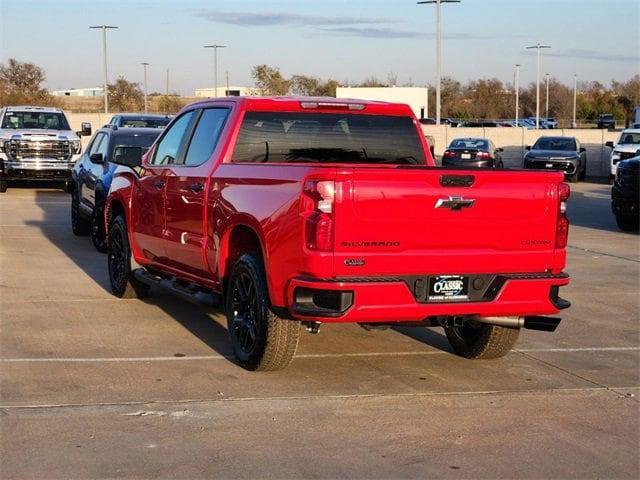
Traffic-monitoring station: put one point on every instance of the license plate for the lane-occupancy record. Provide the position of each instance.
(465, 156)
(448, 288)
(548, 165)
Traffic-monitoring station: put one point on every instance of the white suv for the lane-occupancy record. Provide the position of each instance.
(627, 147)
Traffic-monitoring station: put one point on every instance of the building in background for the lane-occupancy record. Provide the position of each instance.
(416, 97)
(79, 92)
(232, 91)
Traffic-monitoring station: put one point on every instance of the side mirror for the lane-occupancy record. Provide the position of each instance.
(96, 158)
(609, 144)
(85, 130)
(128, 156)
(528, 147)
(500, 150)
(582, 149)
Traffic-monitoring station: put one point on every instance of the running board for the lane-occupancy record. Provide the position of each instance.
(189, 292)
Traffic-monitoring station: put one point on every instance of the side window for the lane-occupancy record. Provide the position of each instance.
(104, 146)
(93, 148)
(168, 148)
(205, 137)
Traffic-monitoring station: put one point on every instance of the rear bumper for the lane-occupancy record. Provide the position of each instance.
(389, 300)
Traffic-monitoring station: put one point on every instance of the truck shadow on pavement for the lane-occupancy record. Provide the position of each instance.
(55, 225)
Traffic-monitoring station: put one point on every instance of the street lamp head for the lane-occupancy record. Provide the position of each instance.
(103, 26)
(215, 46)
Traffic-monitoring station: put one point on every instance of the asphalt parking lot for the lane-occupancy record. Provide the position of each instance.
(96, 387)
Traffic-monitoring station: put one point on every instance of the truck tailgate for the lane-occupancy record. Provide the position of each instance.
(404, 221)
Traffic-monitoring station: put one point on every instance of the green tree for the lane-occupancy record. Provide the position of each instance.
(125, 95)
(21, 83)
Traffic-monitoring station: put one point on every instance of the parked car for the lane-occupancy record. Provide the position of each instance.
(480, 123)
(427, 121)
(542, 123)
(551, 123)
(138, 120)
(558, 153)
(302, 211)
(626, 147)
(37, 143)
(472, 152)
(92, 175)
(606, 120)
(625, 195)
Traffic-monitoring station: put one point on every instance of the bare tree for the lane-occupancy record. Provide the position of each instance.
(21, 83)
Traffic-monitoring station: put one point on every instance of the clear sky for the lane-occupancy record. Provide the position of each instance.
(343, 39)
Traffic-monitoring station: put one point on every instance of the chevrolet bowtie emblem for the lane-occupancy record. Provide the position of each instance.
(455, 203)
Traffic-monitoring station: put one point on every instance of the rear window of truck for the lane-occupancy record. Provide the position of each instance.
(288, 137)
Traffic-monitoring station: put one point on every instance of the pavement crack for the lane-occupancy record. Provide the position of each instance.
(603, 254)
(581, 377)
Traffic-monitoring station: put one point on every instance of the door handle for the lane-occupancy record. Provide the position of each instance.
(196, 187)
(159, 184)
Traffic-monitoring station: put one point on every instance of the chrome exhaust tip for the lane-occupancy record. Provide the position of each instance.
(532, 322)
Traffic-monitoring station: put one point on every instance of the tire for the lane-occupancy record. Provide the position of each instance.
(628, 223)
(3, 186)
(477, 340)
(67, 186)
(98, 236)
(123, 283)
(80, 225)
(575, 177)
(260, 339)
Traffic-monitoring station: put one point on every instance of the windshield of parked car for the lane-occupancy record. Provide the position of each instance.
(328, 138)
(35, 121)
(143, 122)
(552, 143)
(606, 117)
(144, 140)
(470, 143)
(629, 138)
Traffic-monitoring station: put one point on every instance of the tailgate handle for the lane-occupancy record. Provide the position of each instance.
(455, 203)
(457, 180)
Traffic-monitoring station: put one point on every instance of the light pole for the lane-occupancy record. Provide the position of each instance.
(146, 105)
(167, 84)
(546, 115)
(215, 64)
(438, 51)
(538, 46)
(516, 86)
(575, 96)
(104, 56)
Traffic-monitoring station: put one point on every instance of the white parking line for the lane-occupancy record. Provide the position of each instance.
(311, 355)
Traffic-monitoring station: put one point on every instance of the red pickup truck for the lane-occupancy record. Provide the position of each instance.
(302, 211)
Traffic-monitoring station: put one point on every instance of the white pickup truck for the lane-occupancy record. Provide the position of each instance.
(37, 143)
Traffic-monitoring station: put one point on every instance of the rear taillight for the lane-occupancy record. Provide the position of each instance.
(447, 153)
(562, 226)
(318, 206)
(484, 155)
